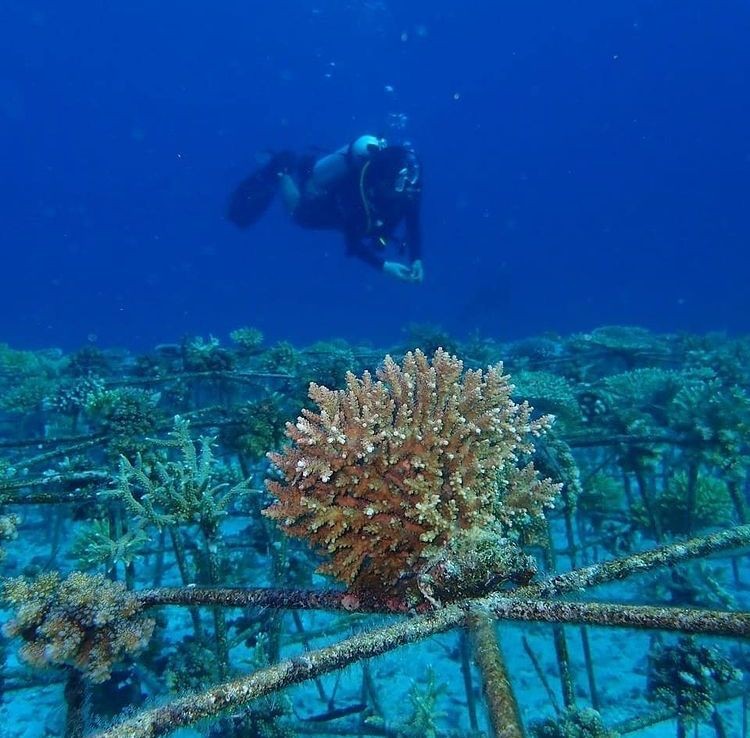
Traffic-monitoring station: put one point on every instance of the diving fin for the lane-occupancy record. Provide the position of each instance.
(254, 194)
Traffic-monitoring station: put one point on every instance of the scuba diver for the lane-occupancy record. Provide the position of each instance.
(366, 190)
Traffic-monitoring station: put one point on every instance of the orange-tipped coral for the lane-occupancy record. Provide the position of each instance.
(87, 622)
(409, 481)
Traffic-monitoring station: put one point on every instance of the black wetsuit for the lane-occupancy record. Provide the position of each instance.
(368, 220)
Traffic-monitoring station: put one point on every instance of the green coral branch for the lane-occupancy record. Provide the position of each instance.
(171, 492)
(96, 545)
(133, 477)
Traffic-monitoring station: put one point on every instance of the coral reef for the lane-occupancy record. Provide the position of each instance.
(391, 472)
(420, 515)
(83, 621)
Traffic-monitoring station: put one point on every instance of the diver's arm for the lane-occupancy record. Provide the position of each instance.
(357, 247)
(413, 229)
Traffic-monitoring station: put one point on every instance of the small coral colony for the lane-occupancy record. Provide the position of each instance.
(207, 535)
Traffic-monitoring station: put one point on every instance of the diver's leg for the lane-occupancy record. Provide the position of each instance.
(326, 171)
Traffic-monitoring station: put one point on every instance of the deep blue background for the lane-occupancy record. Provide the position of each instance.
(587, 163)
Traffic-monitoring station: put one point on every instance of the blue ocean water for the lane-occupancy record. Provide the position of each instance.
(586, 163)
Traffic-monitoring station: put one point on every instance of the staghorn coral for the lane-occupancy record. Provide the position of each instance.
(428, 337)
(282, 357)
(637, 399)
(392, 475)
(327, 362)
(72, 396)
(423, 720)
(550, 393)
(88, 361)
(248, 340)
(534, 352)
(712, 504)
(624, 340)
(127, 414)
(716, 419)
(98, 545)
(255, 427)
(83, 621)
(193, 488)
(25, 395)
(199, 355)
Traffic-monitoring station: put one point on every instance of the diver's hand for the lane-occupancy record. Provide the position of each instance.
(417, 271)
(397, 270)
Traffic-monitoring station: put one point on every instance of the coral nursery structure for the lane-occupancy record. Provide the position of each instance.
(151, 553)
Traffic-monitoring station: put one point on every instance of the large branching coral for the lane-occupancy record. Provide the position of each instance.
(414, 481)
